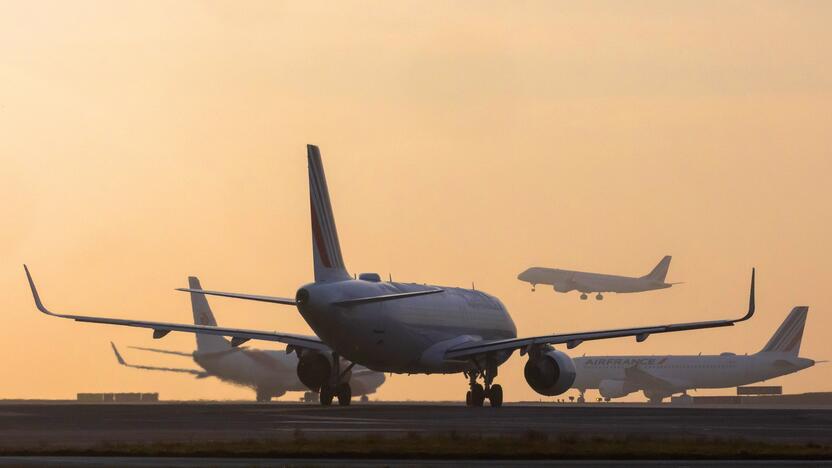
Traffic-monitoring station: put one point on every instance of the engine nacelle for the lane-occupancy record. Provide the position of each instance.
(613, 389)
(550, 373)
(314, 369)
(563, 286)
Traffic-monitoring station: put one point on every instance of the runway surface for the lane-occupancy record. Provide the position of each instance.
(142, 462)
(79, 425)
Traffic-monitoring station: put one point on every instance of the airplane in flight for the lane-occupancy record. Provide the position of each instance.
(270, 373)
(564, 281)
(662, 376)
(404, 328)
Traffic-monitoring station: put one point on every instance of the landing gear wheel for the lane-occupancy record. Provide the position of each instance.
(263, 397)
(468, 400)
(583, 296)
(344, 393)
(581, 399)
(495, 396)
(326, 395)
(477, 395)
(365, 399)
(599, 297)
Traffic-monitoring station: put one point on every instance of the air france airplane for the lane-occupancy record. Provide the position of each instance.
(270, 373)
(405, 328)
(564, 281)
(662, 376)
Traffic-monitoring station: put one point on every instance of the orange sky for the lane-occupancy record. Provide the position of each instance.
(463, 141)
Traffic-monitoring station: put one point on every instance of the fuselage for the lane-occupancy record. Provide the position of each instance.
(269, 372)
(407, 335)
(685, 372)
(568, 280)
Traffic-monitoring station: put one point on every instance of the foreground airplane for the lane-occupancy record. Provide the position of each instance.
(405, 328)
(270, 373)
(662, 376)
(587, 283)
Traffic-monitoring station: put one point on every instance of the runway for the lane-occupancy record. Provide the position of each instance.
(88, 425)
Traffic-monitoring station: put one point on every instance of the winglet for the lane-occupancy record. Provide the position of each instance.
(35, 294)
(118, 355)
(751, 304)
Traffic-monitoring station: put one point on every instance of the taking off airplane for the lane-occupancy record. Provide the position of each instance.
(662, 376)
(564, 281)
(270, 373)
(406, 328)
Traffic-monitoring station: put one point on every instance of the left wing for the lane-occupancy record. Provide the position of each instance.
(472, 349)
(198, 374)
(160, 329)
(163, 351)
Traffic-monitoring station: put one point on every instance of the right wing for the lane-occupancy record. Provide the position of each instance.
(473, 349)
(198, 374)
(160, 329)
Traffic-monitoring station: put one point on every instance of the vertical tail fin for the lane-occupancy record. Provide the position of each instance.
(326, 249)
(204, 316)
(659, 272)
(787, 338)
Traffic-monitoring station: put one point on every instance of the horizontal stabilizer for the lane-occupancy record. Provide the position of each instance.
(248, 297)
(385, 297)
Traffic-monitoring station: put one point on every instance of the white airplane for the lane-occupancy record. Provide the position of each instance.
(662, 376)
(270, 373)
(564, 281)
(406, 328)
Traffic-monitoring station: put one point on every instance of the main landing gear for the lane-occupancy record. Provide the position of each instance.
(338, 385)
(581, 398)
(599, 297)
(477, 394)
(583, 296)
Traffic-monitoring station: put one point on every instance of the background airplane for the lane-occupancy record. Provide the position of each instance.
(270, 373)
(567, 280)
(662, 376)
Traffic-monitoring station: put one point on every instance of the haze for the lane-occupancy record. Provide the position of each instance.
(142, 142)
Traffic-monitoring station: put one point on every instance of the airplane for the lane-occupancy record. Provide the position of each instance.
(270, 373)
(403, 328)
(564, 281)
(662, 376)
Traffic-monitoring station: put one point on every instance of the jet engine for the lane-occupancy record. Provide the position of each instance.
(613, 388)
(550, 372)
(564, 286)
(314, 369)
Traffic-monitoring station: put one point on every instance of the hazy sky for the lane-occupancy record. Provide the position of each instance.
(143, 141)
